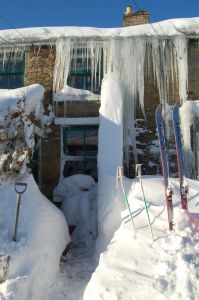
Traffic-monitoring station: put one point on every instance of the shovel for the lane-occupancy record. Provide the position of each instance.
(20, 188)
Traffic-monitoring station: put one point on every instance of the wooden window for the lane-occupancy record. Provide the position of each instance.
(81, 76)
(80, 148)
(11, 70)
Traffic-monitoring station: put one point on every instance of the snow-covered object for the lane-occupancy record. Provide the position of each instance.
(20, 109)
(78, 193)
(72, 94)
(110, 156)
(73, 183)
(173, 27)
(41, 238)
(189, 114)
(135, 267)
(32, 95)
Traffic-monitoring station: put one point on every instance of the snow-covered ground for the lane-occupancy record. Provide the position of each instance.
(134, 266)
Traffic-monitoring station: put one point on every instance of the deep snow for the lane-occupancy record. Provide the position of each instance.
(34, 262)
(131, 265)
(134, 266)
(138, 268)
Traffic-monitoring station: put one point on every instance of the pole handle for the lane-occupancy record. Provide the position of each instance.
(16, 217)
(20, 187)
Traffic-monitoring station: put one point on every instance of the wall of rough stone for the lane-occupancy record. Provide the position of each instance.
(39, 64)
(135, 18)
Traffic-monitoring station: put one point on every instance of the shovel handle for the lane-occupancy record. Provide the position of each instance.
(20, 187)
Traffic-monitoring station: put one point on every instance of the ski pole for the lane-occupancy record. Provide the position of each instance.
(139, 176)
(119, 177)
(20, 188)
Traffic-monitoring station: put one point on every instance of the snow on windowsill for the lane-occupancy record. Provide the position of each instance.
(72, 94)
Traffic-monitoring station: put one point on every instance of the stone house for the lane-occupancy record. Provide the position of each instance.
(71, 147)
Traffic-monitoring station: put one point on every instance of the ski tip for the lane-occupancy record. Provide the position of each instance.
(158, 109)
(176, 105)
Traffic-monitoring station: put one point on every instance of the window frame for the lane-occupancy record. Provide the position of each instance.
(14, 71)
(77, 158)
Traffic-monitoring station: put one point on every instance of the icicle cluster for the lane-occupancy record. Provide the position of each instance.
(167, 58)
(9, 57)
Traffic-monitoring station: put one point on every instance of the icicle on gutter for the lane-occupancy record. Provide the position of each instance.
(127, 58)
(11, 55)
(62, 65)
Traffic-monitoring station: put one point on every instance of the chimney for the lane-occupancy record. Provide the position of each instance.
(131, 18)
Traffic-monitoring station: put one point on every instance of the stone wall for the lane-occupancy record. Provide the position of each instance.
(39, 64)
(77, 109)
(135, 18)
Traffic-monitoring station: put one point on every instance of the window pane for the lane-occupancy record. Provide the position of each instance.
(84, 82)
(11, 81)
(91, 142)
(80, 64)
(75, 142)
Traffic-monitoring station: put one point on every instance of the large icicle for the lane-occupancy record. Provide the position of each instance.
(180, 43)
(127, 57)
(62, 64)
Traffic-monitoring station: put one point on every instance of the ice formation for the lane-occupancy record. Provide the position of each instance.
(165, 61)
(189, 114)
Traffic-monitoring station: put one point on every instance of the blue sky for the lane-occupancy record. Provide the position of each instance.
(102, 13)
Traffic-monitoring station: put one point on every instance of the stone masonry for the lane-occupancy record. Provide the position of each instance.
(131, 18)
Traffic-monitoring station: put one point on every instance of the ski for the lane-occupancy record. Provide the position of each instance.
(165, 165)
(177, 132)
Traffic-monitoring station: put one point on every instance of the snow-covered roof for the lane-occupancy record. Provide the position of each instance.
(168, 28)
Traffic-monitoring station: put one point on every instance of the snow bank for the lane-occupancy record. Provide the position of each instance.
(34, 262)
(188, 26)
(78, 193)
(110, 156)
(72, 94)
(189, 114)
(135, 267)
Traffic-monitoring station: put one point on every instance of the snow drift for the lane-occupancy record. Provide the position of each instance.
(34, 262)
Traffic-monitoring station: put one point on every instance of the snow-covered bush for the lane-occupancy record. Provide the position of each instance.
(21, 111)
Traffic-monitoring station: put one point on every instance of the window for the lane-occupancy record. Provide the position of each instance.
(11, 70)
(80, 147)
(81, 76)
